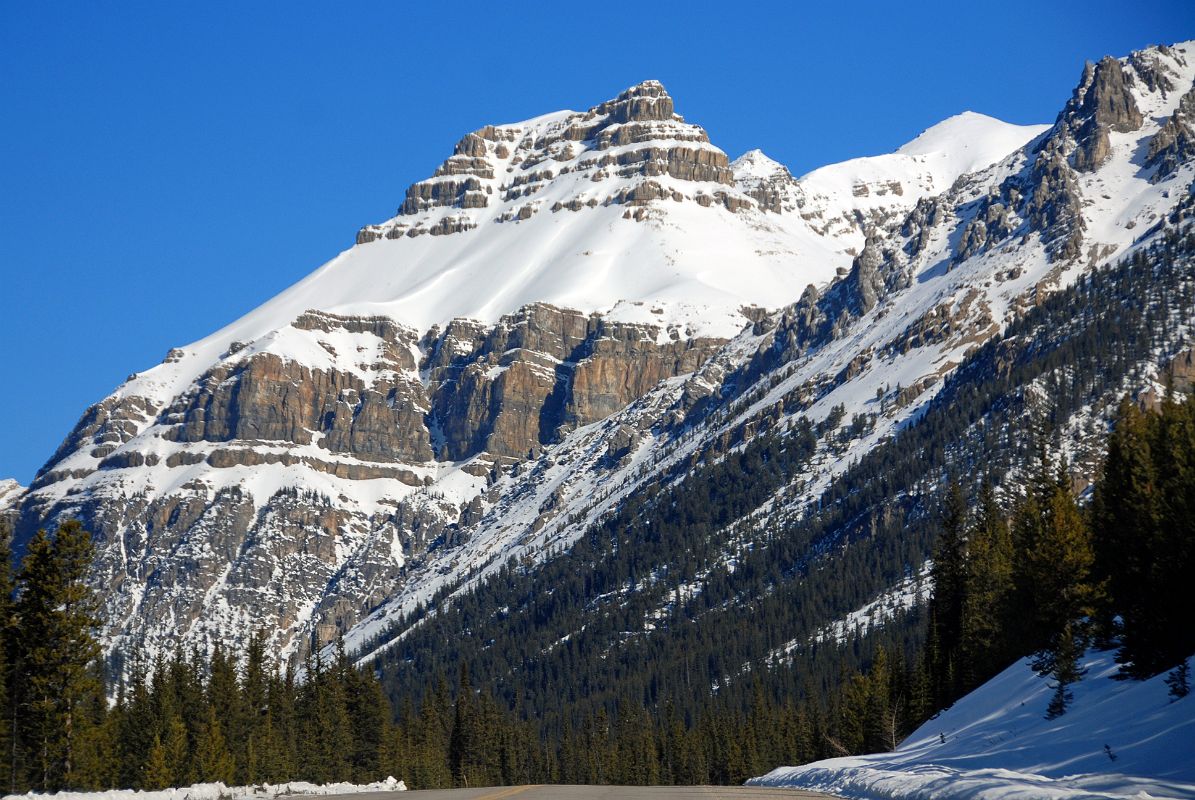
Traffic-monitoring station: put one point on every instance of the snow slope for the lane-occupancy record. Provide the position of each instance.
(697, 265)
(839, 202)
(927, 166)
(999, 745)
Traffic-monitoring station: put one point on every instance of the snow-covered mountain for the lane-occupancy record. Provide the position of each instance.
(571, 310)
(841, 200)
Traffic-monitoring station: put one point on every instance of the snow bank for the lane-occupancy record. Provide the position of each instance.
(218, 791)
(998, 745)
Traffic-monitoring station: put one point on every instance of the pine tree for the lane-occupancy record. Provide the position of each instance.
(877, 719)
(156, 774)
(255, 710)
(430, 737)
(57, 617)
(950, 588)
(97, 767)
(1064, 670)
(984, 648)
(176, 749)
(1053, 573)
(1124, 519)
(464, 741)
(1056, 579)
(213, 761)
(225, 699)
(323, 716)
(1179, 681)
(135, 725)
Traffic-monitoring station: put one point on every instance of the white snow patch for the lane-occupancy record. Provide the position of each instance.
(999, 746)
(218, 791)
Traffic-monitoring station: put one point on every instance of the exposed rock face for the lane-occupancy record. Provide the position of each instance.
(542, 371)
(1054, 205)
(1045, 197)
(1154, 73)
(1174, 144)
(875, 274)
(267, 397)
(1101, 103)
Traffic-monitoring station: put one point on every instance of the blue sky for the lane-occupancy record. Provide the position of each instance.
(166, 167)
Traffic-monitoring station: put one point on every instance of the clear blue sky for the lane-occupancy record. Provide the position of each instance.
(165, 167)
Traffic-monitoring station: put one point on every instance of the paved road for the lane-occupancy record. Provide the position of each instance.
(595, 793)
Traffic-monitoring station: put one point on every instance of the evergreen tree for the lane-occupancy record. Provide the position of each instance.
(1143, 527)
(1064, 669)
(465, 740)
(370, 712)
(225, 699)
(1179, 681)
(56, 613)
(213, 761)
(950, 588)
(156, 774)
(878, 721)
(97, 768)
(985, 648)
(1054, 574)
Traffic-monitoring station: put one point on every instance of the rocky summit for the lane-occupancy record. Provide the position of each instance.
(574, 310)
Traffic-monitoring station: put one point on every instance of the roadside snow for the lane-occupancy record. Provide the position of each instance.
(999, 746)
(218, 791)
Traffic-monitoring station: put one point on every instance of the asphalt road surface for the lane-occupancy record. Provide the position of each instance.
(550, 792)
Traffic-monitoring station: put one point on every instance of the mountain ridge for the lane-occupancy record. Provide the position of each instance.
(320, 464)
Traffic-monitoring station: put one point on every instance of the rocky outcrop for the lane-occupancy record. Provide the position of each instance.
(1174, 144)
(875, 273)
(372, 411)
(646, 101)
(1054, 204)
(102, 429)
(1152, 71)
(544, 370)
(1046, 196)
(993, 223)
(1102, 103)
(634, 139)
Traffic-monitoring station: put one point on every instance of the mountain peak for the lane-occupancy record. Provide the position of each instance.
(756, 164)
(642, 102)
(955, 134)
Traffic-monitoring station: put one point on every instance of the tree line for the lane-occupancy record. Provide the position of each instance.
(1046, 578)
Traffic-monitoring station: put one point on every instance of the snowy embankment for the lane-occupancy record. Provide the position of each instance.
(1120, 739)
(218, 791)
